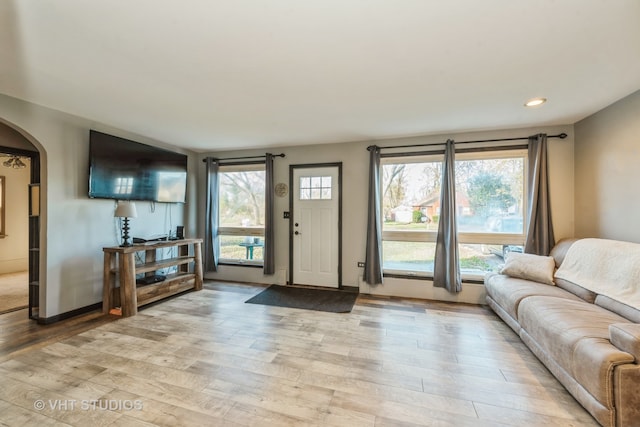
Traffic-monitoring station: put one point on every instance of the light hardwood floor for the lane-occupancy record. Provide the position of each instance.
(208, 359)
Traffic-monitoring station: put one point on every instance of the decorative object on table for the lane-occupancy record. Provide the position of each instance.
(125, 210)
(281, 189)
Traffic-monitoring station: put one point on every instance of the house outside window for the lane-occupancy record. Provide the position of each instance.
(490, 199)
(242, 213)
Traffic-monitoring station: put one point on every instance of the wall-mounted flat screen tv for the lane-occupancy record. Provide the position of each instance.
(126, 170)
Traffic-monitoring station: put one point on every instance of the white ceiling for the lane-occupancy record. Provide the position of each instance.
(218, 74)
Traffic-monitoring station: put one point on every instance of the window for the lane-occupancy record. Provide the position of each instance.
(315, 188)
(242, 206)
(490, 210)
(410, 197)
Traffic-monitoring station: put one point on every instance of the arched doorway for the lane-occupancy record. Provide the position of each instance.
(14, 145)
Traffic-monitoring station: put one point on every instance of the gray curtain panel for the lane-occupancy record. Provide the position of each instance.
(211, 243)
(446, 269)
(539, 239)
(373, 256)
(269, 266)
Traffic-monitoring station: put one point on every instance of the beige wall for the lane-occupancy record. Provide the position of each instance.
(9, 137)
(354, 158)
(607, 164)
(74, 228)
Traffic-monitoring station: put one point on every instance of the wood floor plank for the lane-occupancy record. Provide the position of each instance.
(73, 388)
(70, 367)
(339, 417)
(157, 413)
(404, 412)
(207, 358)
(380, 392)
(19, 334)
(253, 416)
(319, 352)
(368, 373)
(500, 414)
(14, 415)
(215, 406)
(29, 397)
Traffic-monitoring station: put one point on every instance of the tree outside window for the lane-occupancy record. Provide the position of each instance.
(242, 210)
(489, 202)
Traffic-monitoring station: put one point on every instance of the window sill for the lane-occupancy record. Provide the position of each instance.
(234, 263)
(466, 278)
(407, 275)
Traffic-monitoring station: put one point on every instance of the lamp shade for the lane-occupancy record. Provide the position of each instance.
(126, 210)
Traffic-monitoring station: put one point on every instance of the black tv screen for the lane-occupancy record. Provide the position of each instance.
(125, 170)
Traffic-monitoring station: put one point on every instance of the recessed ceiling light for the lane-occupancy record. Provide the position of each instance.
(535, 102)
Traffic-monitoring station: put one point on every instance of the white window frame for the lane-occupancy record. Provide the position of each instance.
(465, 237)
(247, 231)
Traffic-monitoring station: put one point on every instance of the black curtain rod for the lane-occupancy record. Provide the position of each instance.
(560, 135)
(245, 158)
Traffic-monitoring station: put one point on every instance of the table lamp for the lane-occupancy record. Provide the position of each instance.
(125, 210)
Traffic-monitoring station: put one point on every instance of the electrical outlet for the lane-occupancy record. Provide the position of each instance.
(360, 264)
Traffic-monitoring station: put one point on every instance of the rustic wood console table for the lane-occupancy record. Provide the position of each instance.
(120, 270)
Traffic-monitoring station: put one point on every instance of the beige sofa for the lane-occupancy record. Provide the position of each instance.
(586, 328)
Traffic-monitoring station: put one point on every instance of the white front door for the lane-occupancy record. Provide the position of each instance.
(316, 221)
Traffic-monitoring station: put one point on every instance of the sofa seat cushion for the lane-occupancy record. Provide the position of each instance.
(508, 292)
(576, 335)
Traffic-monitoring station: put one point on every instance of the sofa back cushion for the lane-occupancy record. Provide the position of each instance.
(619, 308)
(559, 251)
(577, 290)
(605, 267)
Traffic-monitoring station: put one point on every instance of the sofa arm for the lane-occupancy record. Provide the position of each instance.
(626, 336)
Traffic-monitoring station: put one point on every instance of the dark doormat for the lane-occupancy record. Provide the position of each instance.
(308, 299)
